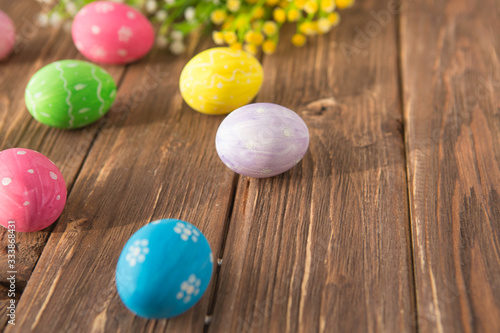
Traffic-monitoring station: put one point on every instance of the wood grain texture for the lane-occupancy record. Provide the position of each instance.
(451, 82)
(156, 159)
(35, 48)
(325, 247)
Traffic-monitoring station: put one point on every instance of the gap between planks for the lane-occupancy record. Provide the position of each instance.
(227, 224)
(413, 277)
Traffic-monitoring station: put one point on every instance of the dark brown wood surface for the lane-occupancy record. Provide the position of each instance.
(391, 223)
(451, 84)
(328, 241)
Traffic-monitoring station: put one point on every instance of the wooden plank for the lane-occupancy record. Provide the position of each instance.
(325, 246)
(35, 48)
(451, 80)
(158, 160)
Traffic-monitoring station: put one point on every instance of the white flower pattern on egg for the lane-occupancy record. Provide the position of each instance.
(104, 8)
(187, 232)
(189, 288)
(95, 29)
(137, 252)
(124, 34)
(98, 52)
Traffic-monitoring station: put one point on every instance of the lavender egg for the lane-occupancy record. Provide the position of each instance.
(262, 140)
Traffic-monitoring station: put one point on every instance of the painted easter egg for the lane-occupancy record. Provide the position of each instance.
(32, 190)
(70, 94)
(112, 33)
(220, 80)
(262, 140)
(164, 269)
(7, 35)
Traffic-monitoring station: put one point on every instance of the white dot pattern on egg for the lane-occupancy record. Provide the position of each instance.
(32, 190)
(112, 33)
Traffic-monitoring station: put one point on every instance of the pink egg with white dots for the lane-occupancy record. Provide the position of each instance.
(32, 190)
(112, 33)
(7, 35)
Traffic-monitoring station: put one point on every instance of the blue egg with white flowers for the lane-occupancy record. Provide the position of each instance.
(164, 269)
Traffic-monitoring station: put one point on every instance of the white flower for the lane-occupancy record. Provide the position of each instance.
(190, 13)
(161, 42)
(124, 34)
(151, 6)
(55, 20)
(187, 231)
(177, 35)
(42, 20)
(137, 252)
(98, 51)
(161, 15)
(71, 8)
(189, 288)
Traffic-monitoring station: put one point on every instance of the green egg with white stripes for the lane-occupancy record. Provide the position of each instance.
(70, 94)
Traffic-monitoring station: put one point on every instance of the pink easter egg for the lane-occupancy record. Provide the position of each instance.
(7, 35)
(112, 33)
(32, 190)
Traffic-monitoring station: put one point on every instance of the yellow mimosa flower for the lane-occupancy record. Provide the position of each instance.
(230, 37)
(218, 37)
(327, 5)
(269, 47)
(218, 16)
(334, 18)
(279, 15)
(293, 15)
(324, 25)
(344, 3)
(311, 7)
(236, 46)
(298, 40)
(270, 28)
(233, 5)
(259, 13)
(250, 48)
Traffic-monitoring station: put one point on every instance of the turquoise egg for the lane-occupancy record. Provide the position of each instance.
(70, 94)
(164, 269)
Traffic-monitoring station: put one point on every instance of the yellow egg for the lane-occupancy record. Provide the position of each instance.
(220, 80)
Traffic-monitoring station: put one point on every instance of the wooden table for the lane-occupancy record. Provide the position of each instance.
(391, 223)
